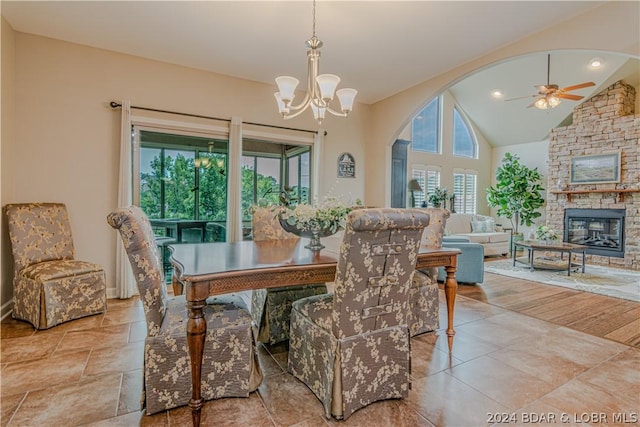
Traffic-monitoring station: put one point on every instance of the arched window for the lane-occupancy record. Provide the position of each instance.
(464, 144)
(425, 128)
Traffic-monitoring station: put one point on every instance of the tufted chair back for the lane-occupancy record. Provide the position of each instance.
(142, 250)
(266, 226)
(374, 272)
(39, 232)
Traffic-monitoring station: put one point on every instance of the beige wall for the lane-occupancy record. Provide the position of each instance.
(7, 108)
(65, 129)
(605, 28)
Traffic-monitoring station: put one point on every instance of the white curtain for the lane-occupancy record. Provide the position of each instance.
(125, 283)
(318, 149)
(234, 187)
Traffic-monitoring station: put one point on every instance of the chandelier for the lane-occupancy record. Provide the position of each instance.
(320, 88)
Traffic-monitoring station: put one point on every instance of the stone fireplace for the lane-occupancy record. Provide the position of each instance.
(605, 123)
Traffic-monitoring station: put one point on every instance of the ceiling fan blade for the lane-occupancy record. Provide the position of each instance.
(520, 97)
(569, 96)
(580, 86)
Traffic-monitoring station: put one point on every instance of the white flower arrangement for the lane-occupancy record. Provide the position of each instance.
(328, 216)
(545, 233)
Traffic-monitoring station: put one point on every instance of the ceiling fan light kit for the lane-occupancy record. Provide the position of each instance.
(321, 88)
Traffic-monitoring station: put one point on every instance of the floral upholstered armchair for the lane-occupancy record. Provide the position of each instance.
(424, 300)
(351, 348)
(230, 366)
(50, 286)
(271, 308)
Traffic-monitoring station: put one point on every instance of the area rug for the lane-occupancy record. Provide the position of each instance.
(613, 282)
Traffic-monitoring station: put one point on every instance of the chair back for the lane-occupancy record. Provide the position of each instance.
(375, 268)
(39, 232)
(142, 250)
(434, 232)
(266, 225)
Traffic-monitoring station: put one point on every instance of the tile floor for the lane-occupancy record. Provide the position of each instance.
(505, 368)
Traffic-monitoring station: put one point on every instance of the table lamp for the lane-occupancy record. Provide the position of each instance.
(414, 186)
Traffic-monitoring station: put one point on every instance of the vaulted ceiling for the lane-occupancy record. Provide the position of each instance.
(377, 47)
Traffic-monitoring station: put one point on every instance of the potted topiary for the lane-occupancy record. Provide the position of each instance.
(516, 193)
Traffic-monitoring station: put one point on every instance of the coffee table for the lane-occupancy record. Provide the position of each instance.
(532, 246)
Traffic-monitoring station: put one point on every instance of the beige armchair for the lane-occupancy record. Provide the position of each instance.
(50, 286)
(230, 366)
(271, 308)
(352, 348)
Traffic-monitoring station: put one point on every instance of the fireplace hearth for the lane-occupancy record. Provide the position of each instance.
(602, 230)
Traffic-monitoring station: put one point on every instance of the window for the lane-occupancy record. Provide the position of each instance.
(429, 178)
(425, 128)
(464, 188)
(464, 144)
(268, 168)
(182, 177)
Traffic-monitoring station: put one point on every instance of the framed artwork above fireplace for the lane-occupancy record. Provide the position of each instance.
(595, 169)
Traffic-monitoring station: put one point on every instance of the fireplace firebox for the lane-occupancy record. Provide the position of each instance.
(602, 230)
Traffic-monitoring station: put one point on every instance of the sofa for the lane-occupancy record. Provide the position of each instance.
(479, 229)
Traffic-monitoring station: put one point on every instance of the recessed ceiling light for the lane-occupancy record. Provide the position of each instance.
(497, 93)
(596, 63)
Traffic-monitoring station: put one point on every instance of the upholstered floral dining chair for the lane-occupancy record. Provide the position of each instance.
(230, 366)
(424, 299)
(352, 348)
(50, 286)
(271, 308)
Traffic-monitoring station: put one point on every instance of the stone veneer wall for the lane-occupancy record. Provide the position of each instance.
(607, 122)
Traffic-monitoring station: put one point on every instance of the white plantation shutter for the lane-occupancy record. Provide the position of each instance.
(433, 179)
(465, 188)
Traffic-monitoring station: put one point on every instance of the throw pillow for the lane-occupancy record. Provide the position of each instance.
(486, 226)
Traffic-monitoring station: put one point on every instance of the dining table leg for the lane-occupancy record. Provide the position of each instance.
(196, 333)
(450, 289)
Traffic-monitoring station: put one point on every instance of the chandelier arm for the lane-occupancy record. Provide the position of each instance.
(336, 113)
(296, 114)
(303, 104)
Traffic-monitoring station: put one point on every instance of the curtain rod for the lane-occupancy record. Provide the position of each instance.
(114, 104)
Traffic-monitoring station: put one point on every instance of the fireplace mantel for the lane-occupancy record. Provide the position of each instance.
(619, 191)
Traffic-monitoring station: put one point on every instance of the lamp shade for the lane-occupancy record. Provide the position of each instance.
(346, 96)
(414, 185)
(327, 84)
(281, 107)
(287, 86)
(318, 112)
(541, 104)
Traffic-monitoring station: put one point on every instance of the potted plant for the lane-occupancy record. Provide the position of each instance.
(516, 193)
(438, 197)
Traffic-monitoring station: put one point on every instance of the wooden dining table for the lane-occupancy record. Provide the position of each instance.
(205, 269)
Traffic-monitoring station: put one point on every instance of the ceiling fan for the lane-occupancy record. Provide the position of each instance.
(550, 95)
